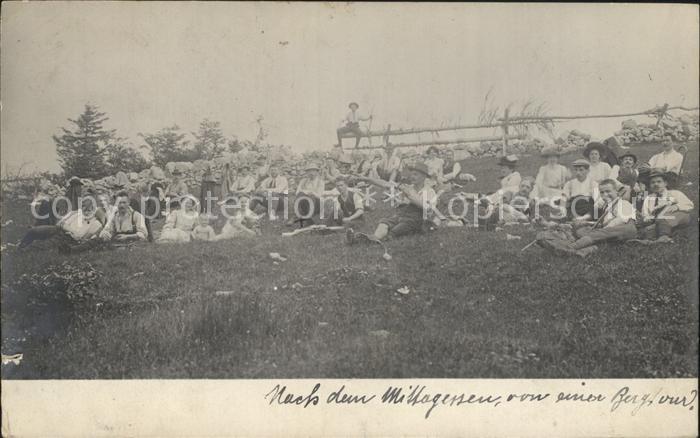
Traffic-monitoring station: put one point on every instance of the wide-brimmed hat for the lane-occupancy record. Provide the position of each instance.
(353, 103)
(581, 163)
(600, 147)
(550, 152)
(634, 157)
(508, 160)
(420, 167)
(75, 180)
(176, 172)
(312, 167)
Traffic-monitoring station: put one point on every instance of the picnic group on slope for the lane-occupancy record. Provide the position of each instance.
(600, 198)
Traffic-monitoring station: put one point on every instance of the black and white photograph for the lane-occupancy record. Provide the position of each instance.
(260, 190)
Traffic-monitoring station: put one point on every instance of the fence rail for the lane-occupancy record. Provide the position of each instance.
(504, 123)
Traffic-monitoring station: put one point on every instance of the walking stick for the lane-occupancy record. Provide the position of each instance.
(529, 245)
(369, 126)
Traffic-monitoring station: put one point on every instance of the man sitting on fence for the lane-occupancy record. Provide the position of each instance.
(616, 223)
(351, 124)
(664, 211)
(668, 162)
(126, 224)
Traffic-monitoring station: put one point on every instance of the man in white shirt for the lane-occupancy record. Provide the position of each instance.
(245, 183)
(664, 210)
(77, 230)
(272, 193)
(307, 204)
(616, 223)
(389, 168)
(351, 124)
(668, 162)
(125, 224)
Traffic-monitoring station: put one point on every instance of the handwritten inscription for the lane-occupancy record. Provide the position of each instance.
(421, 396)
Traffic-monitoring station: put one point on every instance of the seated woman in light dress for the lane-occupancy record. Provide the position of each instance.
(550, 180)
(180, 222)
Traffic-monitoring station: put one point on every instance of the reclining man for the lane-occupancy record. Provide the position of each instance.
(616, 223)
(416, 204)
(75, 232)
(664, 210)
(126, 225)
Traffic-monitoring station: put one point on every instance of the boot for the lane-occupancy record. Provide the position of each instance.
(582, 243)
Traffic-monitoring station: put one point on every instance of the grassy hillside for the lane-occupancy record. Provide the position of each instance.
(477, 306)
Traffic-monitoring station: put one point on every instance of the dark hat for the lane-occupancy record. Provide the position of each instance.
(508, 160)
(353, 103)
(600, 147)
(176, 172)
(420, 167)
(75, 180)
(655, 174)
(581, 163)
(634, 157)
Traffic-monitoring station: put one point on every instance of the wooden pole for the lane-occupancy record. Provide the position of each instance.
(505, 131)
(445, 142)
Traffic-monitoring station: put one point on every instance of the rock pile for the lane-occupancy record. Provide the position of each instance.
(682, 128)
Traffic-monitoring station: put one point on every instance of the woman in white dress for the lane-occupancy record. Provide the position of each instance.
(551, 177)
(180, 223)
(599, 170)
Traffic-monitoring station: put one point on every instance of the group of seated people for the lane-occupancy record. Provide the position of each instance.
(602, 201)
(596, 200)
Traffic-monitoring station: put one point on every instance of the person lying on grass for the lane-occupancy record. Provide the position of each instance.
(125, 224)
(203, 231)
(616, 223)
(75, 232)
(507, 206)
(180, 222)
(664, 211)
(416, 203)
(241, 221)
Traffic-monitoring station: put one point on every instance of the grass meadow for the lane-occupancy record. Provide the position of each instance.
(477, 306)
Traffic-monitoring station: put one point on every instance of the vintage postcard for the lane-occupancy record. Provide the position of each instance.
(349, 219)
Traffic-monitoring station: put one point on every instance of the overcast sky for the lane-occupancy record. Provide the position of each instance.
(151, 65)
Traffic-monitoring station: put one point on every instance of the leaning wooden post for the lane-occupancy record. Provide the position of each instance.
(385, 138)
(661, 114)
(505, 132)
